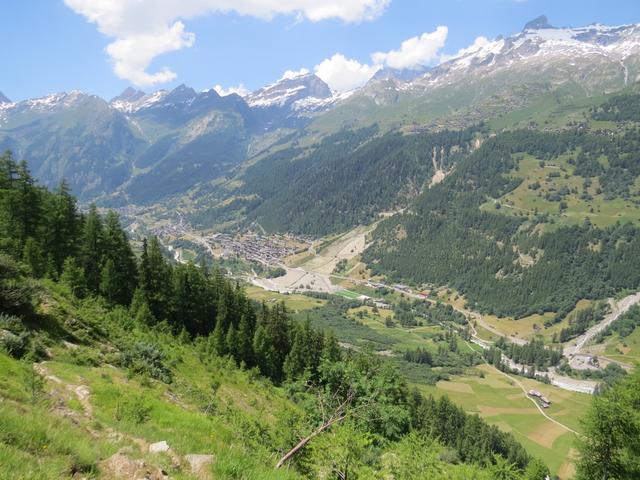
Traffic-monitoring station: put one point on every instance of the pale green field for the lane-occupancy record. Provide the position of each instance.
(524, 201)
(295, 302)
(348, 294)
(505, 405)
(403, 338)
(624, 349)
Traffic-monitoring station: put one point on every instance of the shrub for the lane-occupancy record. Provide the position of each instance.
(147, 359)
(134, 409)
(14, 339)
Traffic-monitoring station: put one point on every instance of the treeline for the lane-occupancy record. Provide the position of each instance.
(534, 353)
(46, 231)
(217, 315)
(580, 321)
(621, 108)
(445, 239)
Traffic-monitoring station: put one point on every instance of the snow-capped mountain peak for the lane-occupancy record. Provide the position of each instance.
(290, 90)
(541, 44)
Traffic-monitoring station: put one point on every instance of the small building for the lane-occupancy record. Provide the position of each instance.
(382, 305)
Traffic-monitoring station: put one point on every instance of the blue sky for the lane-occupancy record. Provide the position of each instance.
(50, 45)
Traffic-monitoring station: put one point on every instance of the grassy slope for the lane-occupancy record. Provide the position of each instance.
(523, 201)
(65, 434)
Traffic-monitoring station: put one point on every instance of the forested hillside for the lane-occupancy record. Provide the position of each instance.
(518, 263)
(145, 347)
(349, 178)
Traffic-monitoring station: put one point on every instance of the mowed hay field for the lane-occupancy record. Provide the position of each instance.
(294, 301)
(506, 406)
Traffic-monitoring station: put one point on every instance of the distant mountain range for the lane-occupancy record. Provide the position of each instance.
(150, 145)
(147, 147)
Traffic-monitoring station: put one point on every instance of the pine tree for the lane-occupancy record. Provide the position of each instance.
(331, 348)
(27, 206)
(245, 337)
(109, 282)
(219, 340)
(190, 303)
(140, 310)
(62, 225)
(73, 276)
(232, 343)
(122, 270)
(92, 249)
(155, 280)
(33, 257)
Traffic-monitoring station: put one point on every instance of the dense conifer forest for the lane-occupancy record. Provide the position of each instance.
(446, 239)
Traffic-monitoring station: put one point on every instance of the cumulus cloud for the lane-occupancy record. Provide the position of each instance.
(144, 29)
(477, 44)
(132, 54)
(414, 52)
(344, 74)
(223, 92)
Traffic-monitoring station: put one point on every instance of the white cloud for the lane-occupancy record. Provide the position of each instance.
(415, 51)
(344, 74)
(289, 74)
(477, 44)
(223, 92)
(144, 29)
(132, 54)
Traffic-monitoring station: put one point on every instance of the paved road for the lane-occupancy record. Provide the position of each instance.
(617, 309)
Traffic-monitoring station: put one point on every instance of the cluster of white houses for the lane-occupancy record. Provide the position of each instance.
(543, 400)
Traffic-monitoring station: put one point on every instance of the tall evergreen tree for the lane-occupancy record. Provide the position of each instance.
(62, 225)
(120, 266)
(92, 249)
(155, 280)
(73, 276)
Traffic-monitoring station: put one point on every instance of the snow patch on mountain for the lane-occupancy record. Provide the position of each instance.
(304, 91)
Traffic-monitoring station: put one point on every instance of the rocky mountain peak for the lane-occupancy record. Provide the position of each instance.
(181, 93)
(4, 99)
(129, 94)
(538, 23)
(288, 90)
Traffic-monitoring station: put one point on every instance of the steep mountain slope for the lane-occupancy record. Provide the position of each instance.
(4, 99)
(73, 136)
(192, 137)
(349, 178)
